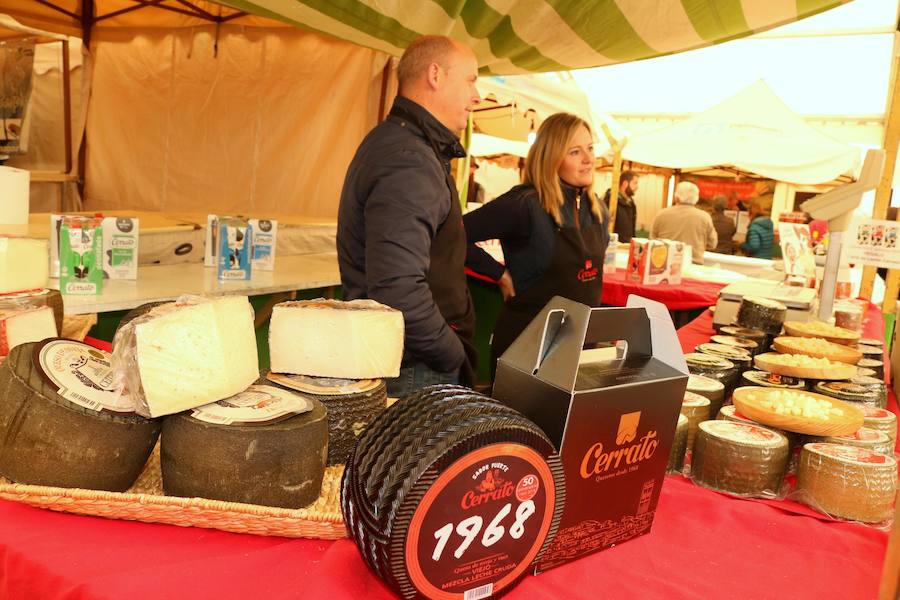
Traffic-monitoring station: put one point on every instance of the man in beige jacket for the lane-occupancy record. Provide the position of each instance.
(686, 223)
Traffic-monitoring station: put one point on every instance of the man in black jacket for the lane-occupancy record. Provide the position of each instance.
(626, 209)
(400, 237)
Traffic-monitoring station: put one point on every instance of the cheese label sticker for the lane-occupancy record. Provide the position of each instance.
(874, 413)
(481, 524)
(853, 454)
(864, 435)
(742, 432)
(82, 375)
(706, 384)
(707, 360)
(767, 379)
(257, 405)
(324, 386)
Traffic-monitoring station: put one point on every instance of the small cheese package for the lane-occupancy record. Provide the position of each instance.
(81, 256)
(184, 354)
(120, 247)
(262, 251)
(652, 262)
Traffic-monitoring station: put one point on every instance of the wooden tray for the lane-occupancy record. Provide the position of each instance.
(836, 370)
(837, 335)
(747, 401)
(145, 501)
(834, 352)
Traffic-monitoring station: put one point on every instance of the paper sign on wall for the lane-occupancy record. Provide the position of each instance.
(873, 243)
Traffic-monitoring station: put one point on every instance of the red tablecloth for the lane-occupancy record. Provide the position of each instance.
(689, 294)
(703, 545)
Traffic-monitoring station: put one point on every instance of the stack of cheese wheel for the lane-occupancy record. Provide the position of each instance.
(711, 389)
(263, 446)
(337, 353)
(445, 480)
(871, 352)
(883, 420)
(29, 312)
(736, 342)
(872, 439)
(876, 365)
(760, 337)
(730, 413)
(714, 367)
(848, 482)
(869, 392)
(697, 409)
(761, 313)
(679, 446)
(741, 358)
(64, 423)
(739, 458)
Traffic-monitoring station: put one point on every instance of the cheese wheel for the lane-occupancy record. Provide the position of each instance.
(714, 367)
(679, 446)
(873, 352)
(876, 441)
(881, 420)
(711, 389)
(185, 354)
(847, 482)
(361, 339)
(24, 264)
(62, 423)
(760, 337)
(766, 379)
(470, 459)
(697, 409)
(739, 458)
(264, 446)
(741, 358)
(876, 365)
(730, 413)
(871, 342)
(350, 404)
(737, 342)
(763, 314)
(872, 394)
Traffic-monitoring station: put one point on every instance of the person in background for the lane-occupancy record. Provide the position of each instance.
(626, 209)
(684, 222)
(760, 233)
(552, 228)
(475, 193)
(400, 238)
(725, 227)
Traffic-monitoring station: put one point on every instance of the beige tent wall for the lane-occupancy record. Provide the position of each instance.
(268, 124)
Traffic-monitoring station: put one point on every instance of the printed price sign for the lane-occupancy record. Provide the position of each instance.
(873, 243)
(481, 524)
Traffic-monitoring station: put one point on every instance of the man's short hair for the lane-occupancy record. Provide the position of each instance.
(626, 177)
(687, 193)
(420, 53)
(720, 203)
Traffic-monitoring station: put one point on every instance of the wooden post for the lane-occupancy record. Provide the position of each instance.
(883, 192)
(87, 24)
(67, 105)
(665, 195)
(614, 187)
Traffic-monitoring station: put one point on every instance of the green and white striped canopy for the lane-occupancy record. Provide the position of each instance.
(521, 36)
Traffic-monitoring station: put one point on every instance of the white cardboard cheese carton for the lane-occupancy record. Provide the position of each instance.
(262, 252)
(120, 247)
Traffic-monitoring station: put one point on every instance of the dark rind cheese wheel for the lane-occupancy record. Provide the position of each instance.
(847, 482)
(712, 389)
(737, 342)
(766, 379)
(861, 372)
(873, 394)
(714, 367)
(739, 458)
(761, 313)
(697, 409)
(730, 413)
(874, 440)
(274, 464)
(760, 337)
(679, 446)
(349, 412)
(741, 358)
(876, 365)
(46, 439)
(871, 342)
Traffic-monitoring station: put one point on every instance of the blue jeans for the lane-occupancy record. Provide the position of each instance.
(416, 376)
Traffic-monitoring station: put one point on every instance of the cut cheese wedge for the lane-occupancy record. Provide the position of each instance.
(361, 339)
(24, 264)
(23, 326)
(185, 354)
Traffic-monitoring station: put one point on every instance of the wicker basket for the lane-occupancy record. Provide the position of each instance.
(145, 501)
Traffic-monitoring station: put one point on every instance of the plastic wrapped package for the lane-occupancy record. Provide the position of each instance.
(679, 446)
(709, 388)
(880, 419)
(761, 313)
(847, 482)
(35, 299)
(860, 391)
(187, 353)
(697, 409)
(871, 439)
(740, 459)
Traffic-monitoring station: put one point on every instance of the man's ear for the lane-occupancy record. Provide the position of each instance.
(434, 75)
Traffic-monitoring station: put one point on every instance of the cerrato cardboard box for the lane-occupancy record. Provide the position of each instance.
(612, 416)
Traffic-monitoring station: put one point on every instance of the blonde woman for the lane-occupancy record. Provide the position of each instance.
(552, 228)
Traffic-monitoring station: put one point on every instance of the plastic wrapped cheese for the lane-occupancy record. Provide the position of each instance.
(696, 408)
(847, 481)
(881, 420)
(679, 446)
(188, 353)
(361, 339)
(22, 326)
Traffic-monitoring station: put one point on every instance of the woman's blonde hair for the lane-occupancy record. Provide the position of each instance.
(545, 157)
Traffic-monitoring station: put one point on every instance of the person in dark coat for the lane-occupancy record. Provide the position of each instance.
(626, 209)
(725, 227)
(552, 228)
(760, 234)
(400, 238)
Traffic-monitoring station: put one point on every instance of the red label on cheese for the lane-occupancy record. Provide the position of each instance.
(851, 453)
(481, 524)
(872, 412)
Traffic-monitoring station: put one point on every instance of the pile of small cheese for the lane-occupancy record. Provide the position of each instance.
(786, 402)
